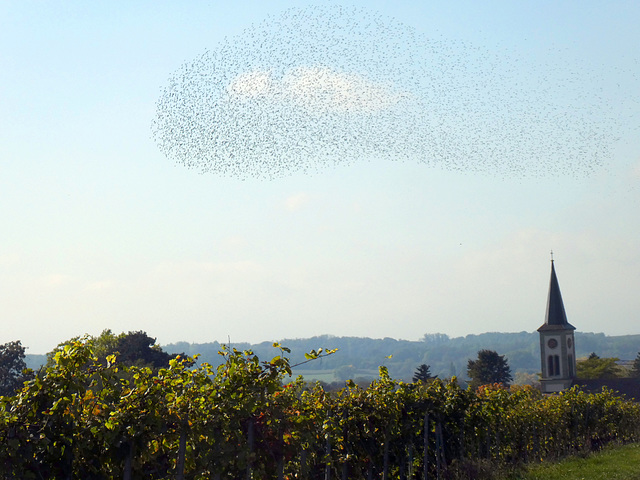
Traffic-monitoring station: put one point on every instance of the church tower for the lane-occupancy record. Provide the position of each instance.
(557, 348)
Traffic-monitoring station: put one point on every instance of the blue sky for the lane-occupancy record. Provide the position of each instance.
(101, 230)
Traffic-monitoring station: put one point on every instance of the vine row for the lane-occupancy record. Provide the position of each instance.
(81, 418)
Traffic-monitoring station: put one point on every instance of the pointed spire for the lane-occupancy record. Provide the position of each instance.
(556, 317)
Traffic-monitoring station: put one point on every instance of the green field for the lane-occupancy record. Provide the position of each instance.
(317, 375)
(329, 376)
(613, 463)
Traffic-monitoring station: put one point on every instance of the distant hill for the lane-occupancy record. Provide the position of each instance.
(35, 361)
(360, 357)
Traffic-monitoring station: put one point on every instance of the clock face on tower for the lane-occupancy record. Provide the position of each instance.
(552, 343)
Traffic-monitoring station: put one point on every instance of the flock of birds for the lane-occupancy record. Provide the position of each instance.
(323, 86)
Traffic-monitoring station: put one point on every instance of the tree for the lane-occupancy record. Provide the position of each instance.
(344, 373)
(635, 368)
(488, 368)
(13, 369)
(422, 374)
(138, 348)
(596, 367)
(524, 378)
(435, 338)
(133, 348)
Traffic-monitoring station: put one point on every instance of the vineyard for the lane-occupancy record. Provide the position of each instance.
(83, 418)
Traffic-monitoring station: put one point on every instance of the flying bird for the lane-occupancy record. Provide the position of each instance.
(323, 86)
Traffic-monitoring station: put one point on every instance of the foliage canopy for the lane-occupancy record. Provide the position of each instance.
(635, 368)
(423, 374)
(132, 348)
(13, 369)
(489, 367)
(84, 418)
(596, 367)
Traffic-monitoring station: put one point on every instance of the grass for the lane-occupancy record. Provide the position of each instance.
(613, 463)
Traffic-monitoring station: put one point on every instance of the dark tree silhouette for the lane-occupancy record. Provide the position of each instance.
(635, 369)
(422, 374)
(133, 348)
(489, 368)
(138, 348)
(13, 369)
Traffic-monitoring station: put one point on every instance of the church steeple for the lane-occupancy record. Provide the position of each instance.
(556, 317)
(557, 349)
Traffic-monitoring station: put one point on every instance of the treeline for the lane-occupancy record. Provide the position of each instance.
(360, 357)
(88, 417)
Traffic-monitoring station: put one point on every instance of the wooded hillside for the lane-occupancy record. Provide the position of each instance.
(360, 357)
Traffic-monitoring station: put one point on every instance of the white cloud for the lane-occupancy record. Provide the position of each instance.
(635, 170)
(99, 286)
(317, 88)
(55, 280)
(296, 202)
(234, 243)
(9, 259)
(191, 269)
(325, 89)
(251, 84)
